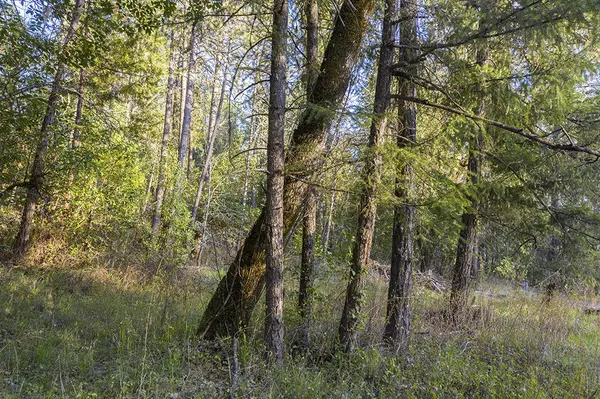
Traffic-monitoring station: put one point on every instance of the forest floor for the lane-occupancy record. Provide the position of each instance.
(112, 334)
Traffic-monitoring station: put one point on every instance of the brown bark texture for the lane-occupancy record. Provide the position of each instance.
(275, 180)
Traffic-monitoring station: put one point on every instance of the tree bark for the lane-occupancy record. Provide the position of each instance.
(275, 180)
(397, 328)
(231, 305)
(36, 179)
(348, 330)
(310, 210)
(162, 168)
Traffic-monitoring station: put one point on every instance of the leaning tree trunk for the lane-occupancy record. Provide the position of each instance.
(162, 168)
(36, 179)
(275, 180)
(309, 222)
(461, 275)
(231, 305)
(397, 326)
(348, 330)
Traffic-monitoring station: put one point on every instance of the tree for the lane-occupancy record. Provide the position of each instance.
(186, 125)
(397, 327)
(275, 180)
(232, 303)
(309, 221)
(371, 176)
(36, 178)
(211, 136)
(465, 250)
(161, 183)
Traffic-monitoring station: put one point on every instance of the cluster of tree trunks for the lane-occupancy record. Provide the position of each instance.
(309, 222)
(235, 298)
(36, 178)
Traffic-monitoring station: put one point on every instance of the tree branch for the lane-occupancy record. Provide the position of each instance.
(520, 131)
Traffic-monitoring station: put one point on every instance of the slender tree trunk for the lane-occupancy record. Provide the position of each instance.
(200, 244)
(212, 134)
(75, 139)
(75, 142)
(275, 180)
(252, 131)
(329, 223)
(310, 210)
(348, 330)
(251, 135)
(36, 179)
(231, 305)
(397, 328)
(179, 84)
(162, 168)
(307, 263)
(186, 125)
(461, 275)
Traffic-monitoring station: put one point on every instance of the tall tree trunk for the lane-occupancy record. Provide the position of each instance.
(231, 305)
(397, 327)
(309, 222)
(275, 180)
(461, 275)
(36, 179)
(212, 134)
(368, 203)
(75, 142)
(186, 125)
(179, 84)
(162, 168)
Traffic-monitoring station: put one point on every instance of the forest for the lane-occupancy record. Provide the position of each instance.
(299, 199)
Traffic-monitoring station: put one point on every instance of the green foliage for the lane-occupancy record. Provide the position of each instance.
(95, 333)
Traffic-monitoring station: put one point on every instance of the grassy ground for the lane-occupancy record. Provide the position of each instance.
(108, 334)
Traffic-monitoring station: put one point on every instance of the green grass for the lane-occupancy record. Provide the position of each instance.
(97, 333)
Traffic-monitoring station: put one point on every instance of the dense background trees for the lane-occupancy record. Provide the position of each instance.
(459, 137)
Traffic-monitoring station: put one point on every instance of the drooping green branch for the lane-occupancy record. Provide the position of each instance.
(572, 147)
